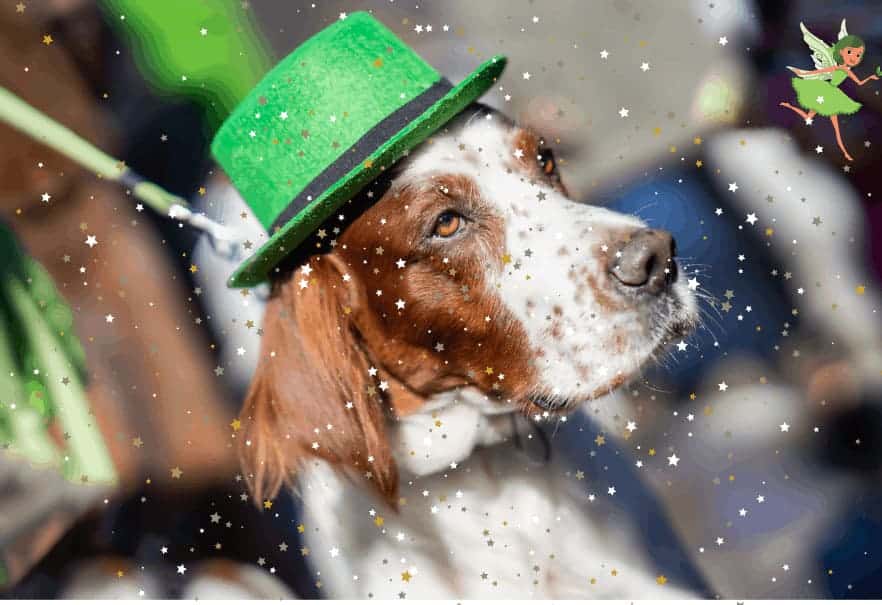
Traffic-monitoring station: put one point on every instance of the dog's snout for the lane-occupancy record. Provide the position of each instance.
(646, 261)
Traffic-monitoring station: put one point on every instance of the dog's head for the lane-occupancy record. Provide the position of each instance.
(472, 269)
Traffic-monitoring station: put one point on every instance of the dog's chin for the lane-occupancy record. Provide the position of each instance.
(673, 317)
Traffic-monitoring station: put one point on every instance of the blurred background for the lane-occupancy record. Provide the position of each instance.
(668, 110)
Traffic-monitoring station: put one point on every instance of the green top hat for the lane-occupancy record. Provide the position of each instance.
(324, 122)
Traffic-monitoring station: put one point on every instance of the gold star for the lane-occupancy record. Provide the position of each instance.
(19, 8)
(301, 528)
(368, 163)
(614, 572)
(652, 451)
(699, 163)
(692, 396)
(860, 289)
(770, 232)
(304, 551)
(202, 191)
(137, 442)
(236, 424)
(193, 268)
(506, 259)
(661, 580)
(379, 521)
(600, 440)
(696, 141)
(268, 504)
(176, 472)
(120, 573)
(47, 40)
(405, 576)
(488, 370)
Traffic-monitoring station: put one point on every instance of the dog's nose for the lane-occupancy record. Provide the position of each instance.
(646, 262)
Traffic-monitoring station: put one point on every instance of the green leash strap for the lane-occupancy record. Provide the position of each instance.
(40, 127)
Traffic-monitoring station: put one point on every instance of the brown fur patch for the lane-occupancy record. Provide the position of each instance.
(319, 341)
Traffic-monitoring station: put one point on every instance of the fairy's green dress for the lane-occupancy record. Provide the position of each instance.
(824, 96)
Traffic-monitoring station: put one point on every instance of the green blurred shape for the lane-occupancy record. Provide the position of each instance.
(216, 68)
(42, 373)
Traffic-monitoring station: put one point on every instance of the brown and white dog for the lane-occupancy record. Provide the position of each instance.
(471, 295)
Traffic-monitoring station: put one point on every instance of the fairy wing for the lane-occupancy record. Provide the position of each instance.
(822, 55)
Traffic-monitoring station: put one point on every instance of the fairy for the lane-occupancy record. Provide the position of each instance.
(817, 92)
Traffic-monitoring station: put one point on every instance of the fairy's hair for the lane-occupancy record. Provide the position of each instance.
(849, 41)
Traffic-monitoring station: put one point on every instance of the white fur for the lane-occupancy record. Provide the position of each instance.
(464, 482)
(535, 231)
(548, 539)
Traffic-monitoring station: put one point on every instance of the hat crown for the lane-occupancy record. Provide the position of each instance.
(313, 106)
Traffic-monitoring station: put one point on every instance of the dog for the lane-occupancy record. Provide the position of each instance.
(403, 368)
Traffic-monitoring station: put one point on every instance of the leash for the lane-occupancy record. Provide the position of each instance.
(43, 129)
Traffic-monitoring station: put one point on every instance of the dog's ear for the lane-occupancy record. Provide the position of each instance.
(312, 394)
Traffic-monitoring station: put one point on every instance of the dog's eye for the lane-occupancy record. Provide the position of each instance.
(546, 161)
(447, 224)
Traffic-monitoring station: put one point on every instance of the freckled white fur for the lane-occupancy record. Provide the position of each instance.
(463, 482)
(538, 279)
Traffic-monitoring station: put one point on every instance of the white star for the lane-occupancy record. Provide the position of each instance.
(693, 284)
(723, 41)
(400, 263)
(681, 346)
(399, 304)
(305, 269)
(334, 552)
(623, 112)
(733, 187)
(644, 66)
(445, 27)
(252, 134)
(164, 550)
(46, 197)
(809, 121)
(723, 386)
(203, 31)
(718, 211)
(109, 318)
(303, 284)
(91, 241)
(820, 99)
(284, 115)
(673, 460)
(604, 54)
(784, 427)
(819, 149)
(639, 464)
(182, 569)
(372, 371)
(526, 75)
(518, 153)
(418, 29)
(720, 541)
(751, 218)
(631, 426)
(342, 16)
(742, 512)
(611, 491)
(760, 499)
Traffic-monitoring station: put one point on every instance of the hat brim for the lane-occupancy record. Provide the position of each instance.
(257, 268)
